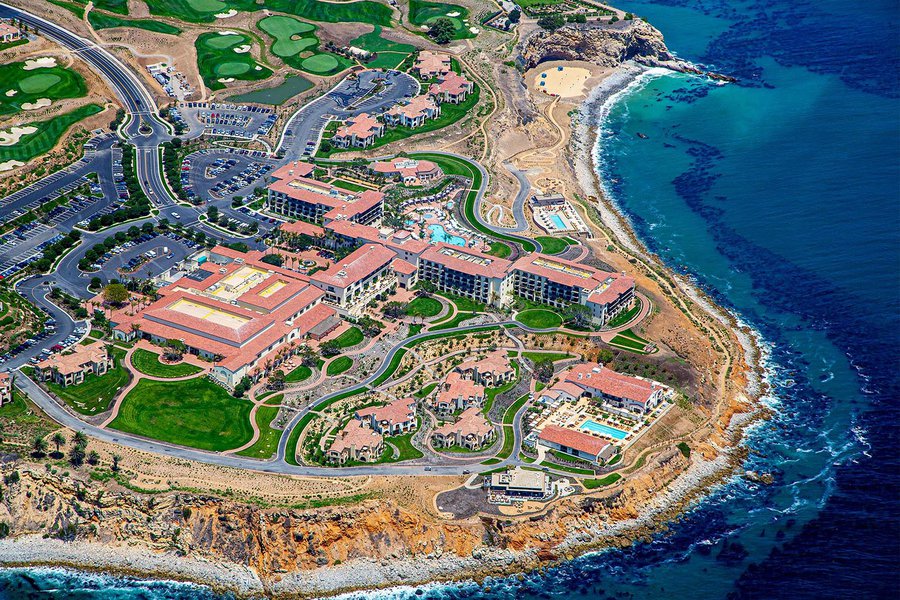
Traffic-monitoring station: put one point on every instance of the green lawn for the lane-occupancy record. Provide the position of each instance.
(349, 338)
(425, 390)
(462, 303)
(455, 321)
(290, 451)
(218, 59)
(404, 445)
(424, 13)
(491, 393)
(539, 318)
(510, 414)
(196, 413)
(553, 245)
(593, 484)
(389, 54)
(94, 395)
(295, 42)
(423, 306)
(629, 340)
(301, 373)
(27, 86)
(624, 317)
(339, 365)
(148, 363)
(102, 21)
(500, 250)
(508, 441)
(267, 443)
(551, 356)
(365, 11)
(198, 11)
(276, 95)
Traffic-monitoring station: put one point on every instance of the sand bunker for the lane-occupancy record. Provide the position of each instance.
(473, 29)
(454, 13)
(11, 136)
(229, 32)
(39, 63)
(257, 68)
(11, 93)
(566, 82)
(242, 49)
(226, 15)
(10, 165)
(226, 79)
(39, 103)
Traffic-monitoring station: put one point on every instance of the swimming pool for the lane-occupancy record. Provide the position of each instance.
(428, 215)
(557, 221)
(439, 234)
(602, 429)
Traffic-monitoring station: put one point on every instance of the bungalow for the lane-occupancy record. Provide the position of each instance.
(451, 88)
(489, 371)
(616, 390)
(70, 368)
(356, 443)
(5, 388)
(576, 443)
(392, 419)
(471, 431)
(429, 65)
(413, 113)
(458, 393)
(359, 132)
(9, 33)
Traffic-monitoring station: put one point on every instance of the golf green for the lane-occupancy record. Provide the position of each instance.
(230, 69)
(39, 82)
(217, 59)
(291, 36)
(19, 86)
(320, 63)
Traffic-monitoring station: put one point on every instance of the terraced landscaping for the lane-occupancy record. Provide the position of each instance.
(42, 136)
(422, 13)
(225, 58)
(148, 363)
(21, 87)
(196, 413)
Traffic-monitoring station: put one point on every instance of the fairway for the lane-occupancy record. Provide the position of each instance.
(47, 134)
(289, 35)
(102, 21)
(424, 13)
(196, 413)
(224, 57)
(389, 54)
(19, 86)
(205, 11)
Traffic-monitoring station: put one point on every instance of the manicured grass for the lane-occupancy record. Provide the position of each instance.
(624, 317)
(500, 250)
(423, 306)
(539, 319)
(510, 414)
(491, 461)
(334, 12)
(196, 413)
(553, 245)
(389, 54)
(349, 185)
(148, 363)
(462, 303)
(102, 21)
(94, 395)
(404, 446)
(351, 337)
(567, 469)
(456, 321)
(425, 390)
(198, 11)
(53, 83)
(508, 441)
(551, 356)
(277, 95)
(593, 484)
(301, 373)
(425, 13)
(267, 443)
(290, 35)
(290, 450)
(491, 393)
(217, 59)
(628, 340)
(339, 365)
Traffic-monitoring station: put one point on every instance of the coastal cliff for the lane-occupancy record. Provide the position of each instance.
(601, 44)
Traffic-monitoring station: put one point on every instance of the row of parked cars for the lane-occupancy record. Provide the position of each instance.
(70, 340)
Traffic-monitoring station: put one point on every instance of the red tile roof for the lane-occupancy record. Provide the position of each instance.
(398, 411)
(358, 265)
(401, 266)
(355, 436)
(481, 264)
(607, 381)
(471, 422)
(302, 227)
(293, 169)
(572, 438)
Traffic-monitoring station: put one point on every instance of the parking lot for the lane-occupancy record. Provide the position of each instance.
(228, 120)
(145, 257)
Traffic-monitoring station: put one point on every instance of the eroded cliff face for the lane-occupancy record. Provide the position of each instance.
(604, 45)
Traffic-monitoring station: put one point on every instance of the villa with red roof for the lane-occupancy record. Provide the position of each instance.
(355, 443)
(408, 170)
(414, 112)
(9, 33)
(616, 390)
(457, 393)
(452, 88)
(576, 443)
(360, 131)
(466, 272)
(350, 283)
(429, 65)
(394, 418)
(471, 431)
(490, 371)
(299, 197)
(5, 388)
(71, 367)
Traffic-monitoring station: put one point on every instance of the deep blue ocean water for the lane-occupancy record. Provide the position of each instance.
(779, 195)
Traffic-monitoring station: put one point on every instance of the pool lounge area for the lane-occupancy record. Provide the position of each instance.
(604, 430)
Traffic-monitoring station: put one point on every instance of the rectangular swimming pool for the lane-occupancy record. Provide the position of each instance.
(602, 429)
(557, 221)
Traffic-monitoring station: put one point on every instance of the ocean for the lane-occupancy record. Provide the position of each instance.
(778, 195)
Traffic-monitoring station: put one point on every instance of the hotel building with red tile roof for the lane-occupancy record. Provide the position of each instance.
(234, 310)
(408, 170)
(71, 367)
(451, 88)
(299, 197)
(432, 64)
(355, 443)
(413, 112)
(394, 418)
(5, 388)
(576, 443)
(350, 283)
(616, 390)
(360, 131)
(457, 393)
(466, 272)
(471, 431)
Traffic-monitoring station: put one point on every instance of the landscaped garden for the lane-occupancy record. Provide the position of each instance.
(424, 13)
(538, 318)
(300, 373)
(148, 363)
(553, 245)
(223, 57)
(296, 44)
(339, 365)
(349, 338)
(95, 393)
(22, 85)
(423, 306)
(267, 444)
(196, 413)
(629, 340)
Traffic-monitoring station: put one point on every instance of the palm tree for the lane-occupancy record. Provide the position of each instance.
(39, 445)
(58, 439)
(79, 439)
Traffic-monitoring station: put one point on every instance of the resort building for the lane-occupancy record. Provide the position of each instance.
(457, 394)
(348, 233)
(392, 419)
(471, 431)
(413, 113)
(466, 272)
(5, 388)
(355, 443)
(557, 282)
(520, 483)
(70, 368)
(244, 315)
(616, 390)
(490, 371)
(406, 273)
(350, 283)
(299, 197)
(408, 170)
(429, 65)
(576, 443)
(451, 88)
(9, 33)
(360, 131)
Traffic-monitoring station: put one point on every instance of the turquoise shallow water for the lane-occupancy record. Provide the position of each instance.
(779, 196)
